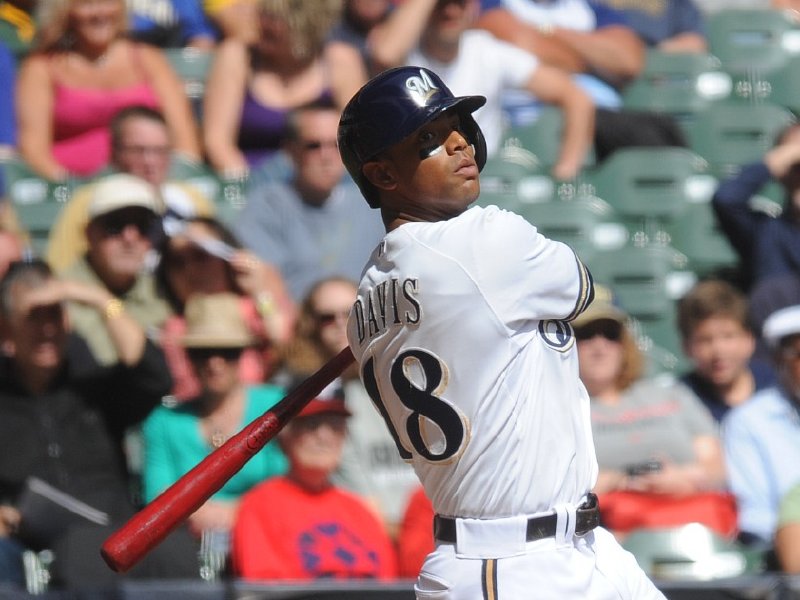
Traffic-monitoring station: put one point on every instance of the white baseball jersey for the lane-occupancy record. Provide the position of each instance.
(460, 333)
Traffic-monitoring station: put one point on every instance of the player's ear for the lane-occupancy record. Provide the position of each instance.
(380, 174)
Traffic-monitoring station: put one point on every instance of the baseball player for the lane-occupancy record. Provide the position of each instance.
(461, 333)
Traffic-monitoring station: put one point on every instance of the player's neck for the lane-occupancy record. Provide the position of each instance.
(394, 219)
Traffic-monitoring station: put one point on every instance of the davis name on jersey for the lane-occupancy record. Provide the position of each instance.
(391, 302)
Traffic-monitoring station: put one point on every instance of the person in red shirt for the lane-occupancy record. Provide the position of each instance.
(301, 526)
(415, 540)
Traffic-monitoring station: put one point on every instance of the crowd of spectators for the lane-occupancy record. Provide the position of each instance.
(157, 324)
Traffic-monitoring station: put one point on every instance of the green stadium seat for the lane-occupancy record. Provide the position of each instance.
(696, 234)
(197, 174)
(678, 83)
(782, 87)
(36, 201)
(512, 178)
(648, 187)
(758, 40)
(192, 66)
(542, 137)
(647, 278)
(588, 225)
(689, 552)
(729, 135)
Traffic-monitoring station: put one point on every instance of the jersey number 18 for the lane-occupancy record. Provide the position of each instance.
(423, 404)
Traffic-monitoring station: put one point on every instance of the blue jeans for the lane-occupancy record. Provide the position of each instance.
(11, 569)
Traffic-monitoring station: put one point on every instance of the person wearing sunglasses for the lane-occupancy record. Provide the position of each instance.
(123, 216)
(178, 436)
(315, 224)
(654, 440)
(370, 464)
(204, 257)
(62, 421)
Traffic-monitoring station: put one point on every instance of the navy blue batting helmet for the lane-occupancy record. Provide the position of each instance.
(389, 108)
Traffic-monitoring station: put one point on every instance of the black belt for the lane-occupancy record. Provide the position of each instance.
(588, 517)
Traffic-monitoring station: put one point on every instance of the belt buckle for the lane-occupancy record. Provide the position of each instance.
(592, 506)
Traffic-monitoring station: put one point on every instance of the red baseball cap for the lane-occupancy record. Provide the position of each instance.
(329, 401)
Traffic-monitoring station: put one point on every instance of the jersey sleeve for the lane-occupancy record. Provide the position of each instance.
(526, 275)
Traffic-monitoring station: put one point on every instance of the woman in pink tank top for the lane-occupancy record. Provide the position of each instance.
(81, 72)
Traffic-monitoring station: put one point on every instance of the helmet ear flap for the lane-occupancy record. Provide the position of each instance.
(474, 137)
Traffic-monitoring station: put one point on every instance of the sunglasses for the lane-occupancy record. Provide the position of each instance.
(328, 318)
(314, 145)
(204, 354)
(610, 330)
(113, 225)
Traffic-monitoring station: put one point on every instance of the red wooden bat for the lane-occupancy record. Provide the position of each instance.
(147, 528)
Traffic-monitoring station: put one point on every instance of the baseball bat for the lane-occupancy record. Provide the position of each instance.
(148, 527)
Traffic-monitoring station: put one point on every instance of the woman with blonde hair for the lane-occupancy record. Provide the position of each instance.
(252, 87)
(81, 71)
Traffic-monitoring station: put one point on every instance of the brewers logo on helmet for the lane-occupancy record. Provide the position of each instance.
(391, 107)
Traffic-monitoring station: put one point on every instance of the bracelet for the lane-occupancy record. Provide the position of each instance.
(265, 304)
(113, 309)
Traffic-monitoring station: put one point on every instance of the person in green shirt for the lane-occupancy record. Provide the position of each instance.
(177, 436)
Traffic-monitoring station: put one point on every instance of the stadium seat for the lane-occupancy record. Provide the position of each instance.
(649, 187)
(587, 224)
(36, 201)
(782, 87)
(678, 83)
(192, 66)
(647, 277)
(513, 177)
(696, 233)
(729, 135)
(197, 174)
(758, 40)
(232, 198)
(688, 552)
(542, 137)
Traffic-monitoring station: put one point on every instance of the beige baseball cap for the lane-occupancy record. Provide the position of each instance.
(602, 307)
(122, 190)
